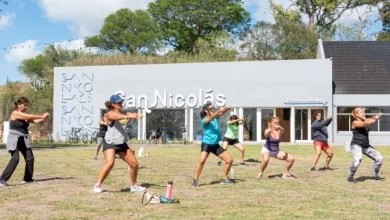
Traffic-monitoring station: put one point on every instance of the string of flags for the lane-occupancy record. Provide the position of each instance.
(58, 43)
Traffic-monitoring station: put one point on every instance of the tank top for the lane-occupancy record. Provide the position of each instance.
(360, 137)
(116, 134)
(272, 144)
(19, 125)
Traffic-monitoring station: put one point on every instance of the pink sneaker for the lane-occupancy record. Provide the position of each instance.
(288, 176)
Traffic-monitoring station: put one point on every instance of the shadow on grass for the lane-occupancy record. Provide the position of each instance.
(364, 178)
(146, 185)
(219, 182)
(54, 178)
(280, 176)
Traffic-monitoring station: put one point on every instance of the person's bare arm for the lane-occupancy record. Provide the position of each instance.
(28, 117)
(365, 123)
(267, 132)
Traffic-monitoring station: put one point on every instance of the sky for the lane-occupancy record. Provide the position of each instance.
(30, 24)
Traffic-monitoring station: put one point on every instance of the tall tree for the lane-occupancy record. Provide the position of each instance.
(3, 2)
(183, 22)
(128, 32)
(260, 41)
(384, 35)
(323, 14)
(295, 40)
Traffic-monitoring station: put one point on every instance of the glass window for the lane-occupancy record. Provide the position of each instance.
(197, 129)
(250, 128)
(169, 121)
(132, 128)
(343, 122)
(265, 115)
(384, 123)
(372, 109)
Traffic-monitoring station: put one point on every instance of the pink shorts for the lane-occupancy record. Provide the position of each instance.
(323, 145)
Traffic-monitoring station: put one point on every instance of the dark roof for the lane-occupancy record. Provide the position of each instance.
(360, 67)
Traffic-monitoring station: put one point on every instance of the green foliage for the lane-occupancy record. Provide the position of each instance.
(184, 22)
(127, 31)
(384, 35)
(260, 41)
(11, 92)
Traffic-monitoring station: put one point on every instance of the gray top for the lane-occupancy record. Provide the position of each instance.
(320, 132)
(13, 137)
(116, 133)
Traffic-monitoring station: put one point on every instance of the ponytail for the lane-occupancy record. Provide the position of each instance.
(109, 106)
(205, 107)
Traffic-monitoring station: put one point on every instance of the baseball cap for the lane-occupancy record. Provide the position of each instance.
(116, 99)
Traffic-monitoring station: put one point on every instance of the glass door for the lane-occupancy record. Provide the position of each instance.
(301, 124)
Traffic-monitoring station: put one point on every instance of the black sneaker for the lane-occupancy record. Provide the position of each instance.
(313, 169)
(351, 179)
(3, 183)
(194, 183)
(219, 163)
(243, 164)
(226, 181)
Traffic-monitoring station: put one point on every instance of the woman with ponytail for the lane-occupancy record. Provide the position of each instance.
(18, 141)
(211, 139)
(360, 143)
(273, 134)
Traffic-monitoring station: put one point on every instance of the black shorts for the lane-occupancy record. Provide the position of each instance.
(118, 148)
(231, 141)
(215, 149)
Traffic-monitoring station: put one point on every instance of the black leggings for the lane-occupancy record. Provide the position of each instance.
(13, 163)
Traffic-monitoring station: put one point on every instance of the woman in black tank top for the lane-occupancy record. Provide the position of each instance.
(360, 143)
(19, 122)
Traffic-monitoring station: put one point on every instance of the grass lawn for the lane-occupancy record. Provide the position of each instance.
(65, 178)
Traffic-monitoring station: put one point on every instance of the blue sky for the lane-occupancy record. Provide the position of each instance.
(31, 22)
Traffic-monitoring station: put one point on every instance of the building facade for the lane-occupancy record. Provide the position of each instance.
(171, 95)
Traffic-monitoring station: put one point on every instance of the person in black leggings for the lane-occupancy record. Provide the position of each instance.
(100, 136)
(360, 144)
(18, 141)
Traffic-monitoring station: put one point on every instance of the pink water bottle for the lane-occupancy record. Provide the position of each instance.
(168, 193)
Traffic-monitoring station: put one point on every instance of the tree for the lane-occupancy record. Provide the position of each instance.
(384, 35)
(295, 40)
(323, 14)
(128, 32)
(260, 42)
(183, 22)
(41, 66)
(3, 2)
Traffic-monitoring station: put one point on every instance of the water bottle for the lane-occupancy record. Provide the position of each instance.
(231, 173)
(141, 152)
(168, 193)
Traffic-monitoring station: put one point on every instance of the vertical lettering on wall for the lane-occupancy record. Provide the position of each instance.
(76, 102)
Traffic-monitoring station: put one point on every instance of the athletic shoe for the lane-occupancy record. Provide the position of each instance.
(259, 177)
(194, 183)
(243, 164)
(288, 176)
(28, 181)
(226, 181)
(219, 163)
(3, 183)
(137, 188)
(351, 179)
(96, 158)
(98, 188)
(313, 169)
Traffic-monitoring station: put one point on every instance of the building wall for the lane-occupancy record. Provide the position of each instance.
(363, 101)
(80, 92)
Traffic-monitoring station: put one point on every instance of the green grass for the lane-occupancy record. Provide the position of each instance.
(66, 177)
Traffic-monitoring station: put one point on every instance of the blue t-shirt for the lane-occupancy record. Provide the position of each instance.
(211, 132)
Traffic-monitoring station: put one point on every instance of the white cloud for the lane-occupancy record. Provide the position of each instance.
(350, 17)
(22, 51)
(85, 17)
(6, 20)
(263, 10)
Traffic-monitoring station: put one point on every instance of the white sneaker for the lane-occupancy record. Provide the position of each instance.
(137, 188)
(97, 188)
(28, 182)
(3, 183)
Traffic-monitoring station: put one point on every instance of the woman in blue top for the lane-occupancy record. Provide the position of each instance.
(211, 139)
(274, 134)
